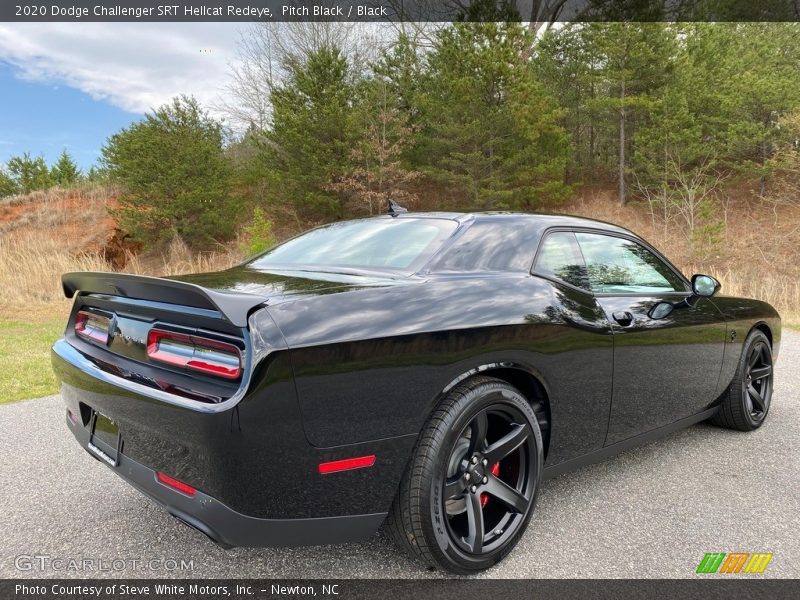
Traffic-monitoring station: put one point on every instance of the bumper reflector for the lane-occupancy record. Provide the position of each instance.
(183, 488)
(346, 464)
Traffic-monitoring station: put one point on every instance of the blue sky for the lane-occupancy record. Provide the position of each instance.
(71, 85)
(44, 118)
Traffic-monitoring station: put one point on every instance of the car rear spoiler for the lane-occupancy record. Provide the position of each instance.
(234, 306)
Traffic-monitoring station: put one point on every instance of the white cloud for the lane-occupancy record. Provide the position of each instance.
(134, 66)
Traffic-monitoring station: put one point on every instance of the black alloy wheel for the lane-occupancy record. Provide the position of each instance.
(488, 486)
(745, 404)
(757, 385)
(470, 489)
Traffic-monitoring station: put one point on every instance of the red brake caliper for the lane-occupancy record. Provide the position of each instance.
(495, 470)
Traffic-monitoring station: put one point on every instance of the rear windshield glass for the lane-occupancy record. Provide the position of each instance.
(401, 244)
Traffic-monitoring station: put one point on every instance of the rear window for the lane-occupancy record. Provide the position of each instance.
(490, 246)
(394, 244)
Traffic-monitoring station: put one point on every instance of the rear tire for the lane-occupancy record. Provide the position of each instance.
(746, 402)
(470, 488)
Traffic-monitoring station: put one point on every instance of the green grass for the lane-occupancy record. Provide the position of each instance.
(25, 357)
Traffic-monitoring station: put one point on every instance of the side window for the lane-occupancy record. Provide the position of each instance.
(560, 257)
(490, 246)
(618, 265)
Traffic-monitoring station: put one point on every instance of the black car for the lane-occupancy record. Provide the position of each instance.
(428, 371)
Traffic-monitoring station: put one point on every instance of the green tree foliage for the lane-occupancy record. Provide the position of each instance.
(612, 74)
(29, 174)
(312, 134)
(651, 103)
(65, 172)
(258, 233)
(741, 79)
(97, 174)
(8, 187)
(488, 129)
(175, 176)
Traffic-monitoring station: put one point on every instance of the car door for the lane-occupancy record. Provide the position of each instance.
(580, 358)
(667, 360)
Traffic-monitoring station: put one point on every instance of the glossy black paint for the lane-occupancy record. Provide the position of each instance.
(342, 365)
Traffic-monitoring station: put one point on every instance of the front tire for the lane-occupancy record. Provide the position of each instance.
(470, 488)
(746, 402)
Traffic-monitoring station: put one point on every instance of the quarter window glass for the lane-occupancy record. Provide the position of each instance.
(560, 257)
(618, 265)
(490, 246)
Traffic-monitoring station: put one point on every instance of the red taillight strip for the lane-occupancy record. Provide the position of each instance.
(346, 464)
(193, 360)
(86, 326)
(183, 488)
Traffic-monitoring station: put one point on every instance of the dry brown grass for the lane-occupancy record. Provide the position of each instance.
(179, 259)
(45, 234)
(31, 266)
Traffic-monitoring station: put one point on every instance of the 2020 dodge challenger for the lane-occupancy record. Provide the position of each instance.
(424, 370)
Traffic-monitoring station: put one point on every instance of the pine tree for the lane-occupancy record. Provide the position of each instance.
(65, 172)
(312, 135)
(175, 176)
(489, 131)
(8, 187)
(29, 173)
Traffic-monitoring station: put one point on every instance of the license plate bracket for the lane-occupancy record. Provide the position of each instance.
(105, 440)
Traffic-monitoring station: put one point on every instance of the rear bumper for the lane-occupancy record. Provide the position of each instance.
(257, 475)
(226, 526)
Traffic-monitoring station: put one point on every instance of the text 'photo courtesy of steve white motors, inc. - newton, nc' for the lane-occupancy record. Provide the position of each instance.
(194, 590)
(180, 11)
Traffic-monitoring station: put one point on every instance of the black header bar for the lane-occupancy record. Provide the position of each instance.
(384, 11)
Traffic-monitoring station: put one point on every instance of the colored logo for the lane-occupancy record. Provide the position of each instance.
(734, 562)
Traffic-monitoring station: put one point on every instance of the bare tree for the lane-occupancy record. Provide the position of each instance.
(785, 167)
(682, 193)
(268, 50)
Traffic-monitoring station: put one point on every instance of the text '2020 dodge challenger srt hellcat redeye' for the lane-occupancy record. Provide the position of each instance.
(424, 370)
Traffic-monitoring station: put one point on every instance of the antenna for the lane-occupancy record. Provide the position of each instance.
(395, 209)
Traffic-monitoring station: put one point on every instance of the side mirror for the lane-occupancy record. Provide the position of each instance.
(704, 286)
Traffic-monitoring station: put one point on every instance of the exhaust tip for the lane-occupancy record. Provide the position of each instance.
(202, 528)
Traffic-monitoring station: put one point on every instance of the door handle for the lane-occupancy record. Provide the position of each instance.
(623, 317)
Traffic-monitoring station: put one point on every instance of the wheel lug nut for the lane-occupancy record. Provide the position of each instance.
(485, 479)
(484, 462)
(474, 460)
(473, 489)
(466, 476)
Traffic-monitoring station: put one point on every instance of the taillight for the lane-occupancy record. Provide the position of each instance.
(91, 326)
(194, 352)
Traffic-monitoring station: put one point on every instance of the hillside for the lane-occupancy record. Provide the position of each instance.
(44, 234)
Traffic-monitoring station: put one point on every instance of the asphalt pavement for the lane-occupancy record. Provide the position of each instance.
(650, 512)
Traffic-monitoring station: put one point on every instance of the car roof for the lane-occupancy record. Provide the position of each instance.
(540, 221)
